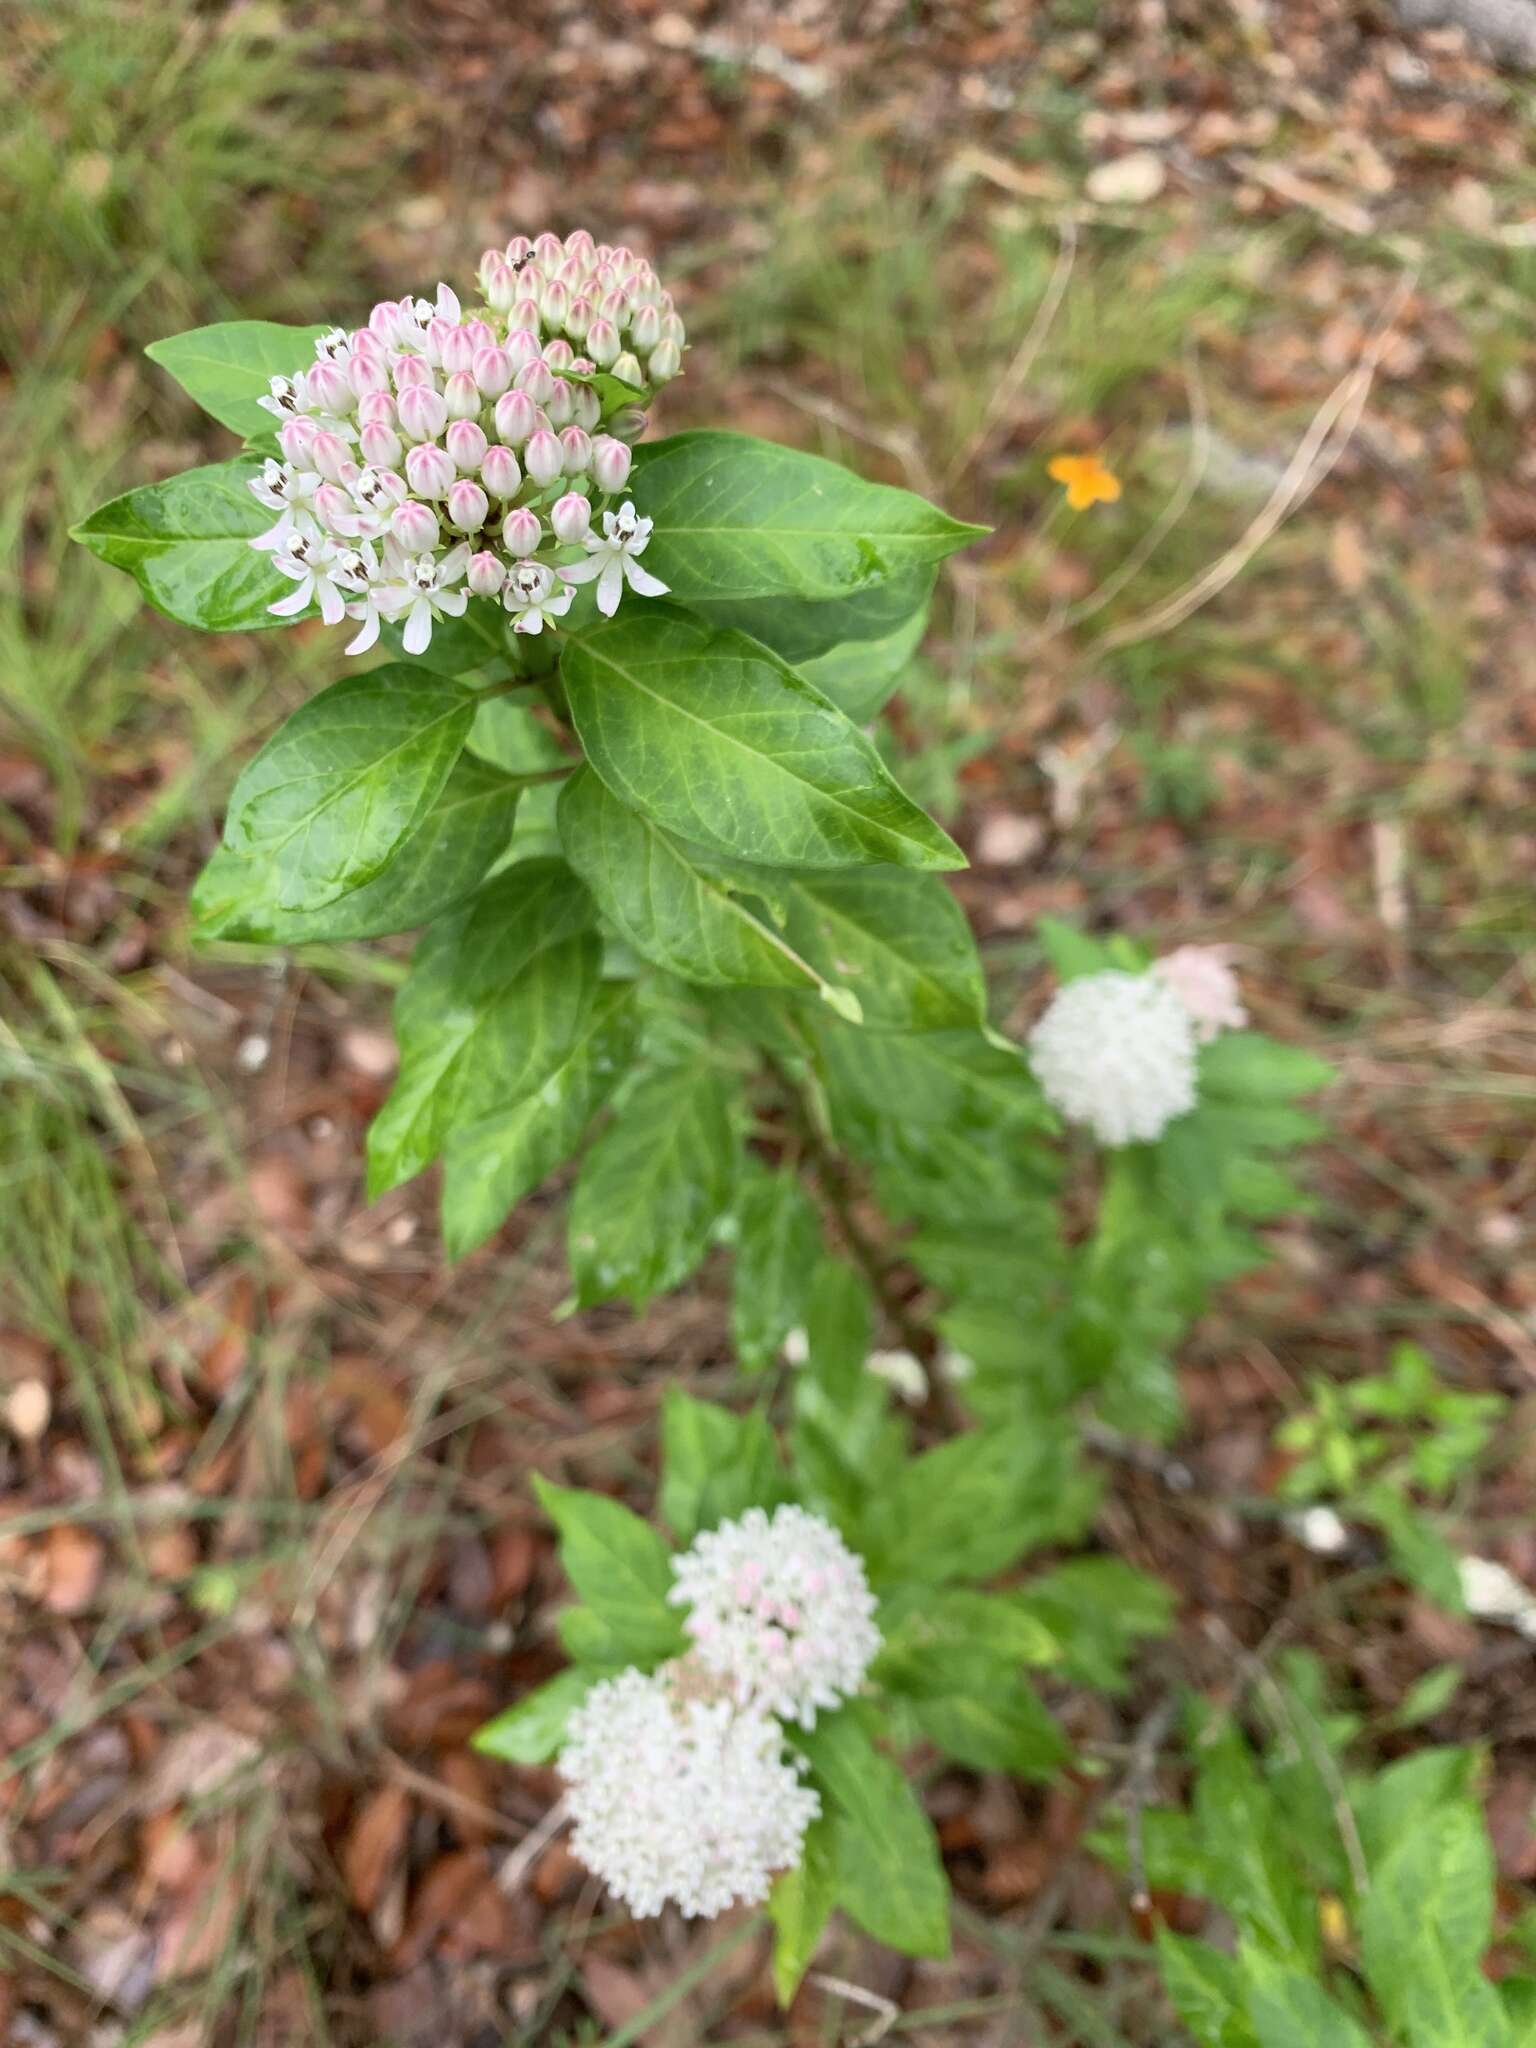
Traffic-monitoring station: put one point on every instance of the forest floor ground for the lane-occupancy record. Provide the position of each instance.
(267, 1551)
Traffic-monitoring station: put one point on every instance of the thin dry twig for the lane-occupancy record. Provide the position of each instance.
(1332, 429)
(898, 442)
(516, 1864)
(886, 2011)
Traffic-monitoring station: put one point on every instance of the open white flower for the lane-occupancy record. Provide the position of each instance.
(311, 560)
(679, 1799)
(780, 1608)
(533, 597)
(611, 559)
(426, 590)
(287, 491)
(1116, 1051)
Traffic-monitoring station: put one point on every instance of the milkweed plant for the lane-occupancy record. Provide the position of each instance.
(607, 751)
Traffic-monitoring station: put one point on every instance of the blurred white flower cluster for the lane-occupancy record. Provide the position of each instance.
(1117, 1051)
(679, 1781)
(437, 454)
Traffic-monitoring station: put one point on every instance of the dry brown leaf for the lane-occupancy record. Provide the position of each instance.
(74, 1559)
(374, 1843)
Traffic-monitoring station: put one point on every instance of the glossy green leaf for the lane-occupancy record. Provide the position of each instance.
(673, 902)
(899, 941)
(441, 863)
(653, 1186)
(346, 781)
(800, 1905)
(715, 739)
(715, 1465)
(187, 544)
(778, 1242)
(619, 1566)
(738, 517)
(1424, 1930)
(498, 995)
(804, 633)
(1207, 1991)
(1096, 1610)
(226, 368)
(1288, 2007)
(889, 1877)
(1245, 1066)
(532, 1731)
(929, 1630)
(995, 1724)
(860, 676)
(490, 1165)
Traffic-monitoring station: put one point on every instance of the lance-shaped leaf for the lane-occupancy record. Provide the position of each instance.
(346, 780)
(532, 1731)
(676, 904)
(713, 738)
(778, 1244)
(466, 830)
(899, 941)
(738, 518)
(187, 544)
(653, 1187)
(619, 1566)
(888, 1874)
(497, 996)
(800, 1905)
(803, 632)
(489, 1166)
(226, 368)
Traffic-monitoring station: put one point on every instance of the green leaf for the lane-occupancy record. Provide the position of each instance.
(928, 1630)
(187, 544)
(464, 833)
(226, 368)
(1245, 1066)
(1207, 1991)
(900, 941)
(1287, 2007)
(861, 675)
(778, 1242)
(956, 1080)
(1097, 1610)
(1418, 1550)
(653, 1187)
(1424, 1929)
(738, 518)
(532, 1731)
(489, 1166)
(839, 1329)
(804, 632)
(347, 779)
(476, 639)
(889, 1878)
(619, 1566)
(715, 1465)
(673, 902)
(716, 740)
(998, 1724)
(1073, 953)
(590, 1642)
(498, 995)
(800, 1905)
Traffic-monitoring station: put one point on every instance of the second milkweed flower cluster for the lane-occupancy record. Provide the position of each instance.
(680, 1784)
(434, 454)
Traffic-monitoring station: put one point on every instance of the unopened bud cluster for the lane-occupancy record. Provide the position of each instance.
(681, 1785)
(436, 455)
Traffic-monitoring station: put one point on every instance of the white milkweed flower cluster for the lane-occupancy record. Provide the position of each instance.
(438, 454)
(780, 1610)
(1116, 1052)
(678, 1781)
(681, 1799)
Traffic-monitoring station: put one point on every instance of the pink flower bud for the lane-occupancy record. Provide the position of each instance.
(549, 249)
(500, 285)
(575, 451)
(672, 329)
(554, 304)
(614, 306)
(589, 407)
(580, 317)
(461, 396)
(610, 463)
(295, 437)
(666, 359)
(380, 445)
(542, 457)
(627, 424)
(645, 329)
(386, 320)
(492, 370)
(525, 310)
(519, 249)
(466, 443)
(423, 412)
(333, 507)
(559, 354)
(429, 470)
(326, 389)
(500, 472)
(439, 330)
(376, 409)
(560, 405)
(602, 342)
(628, 370)
(458, 349)
(536, 379)
(410, 369)
(516, 417)
(579, 244)
(367, 373)
(329, 454)
(571, 274)
(415, 526)
(468, 506)
(522, 345)
(484, 574)
(521, 531)
(571, 517)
